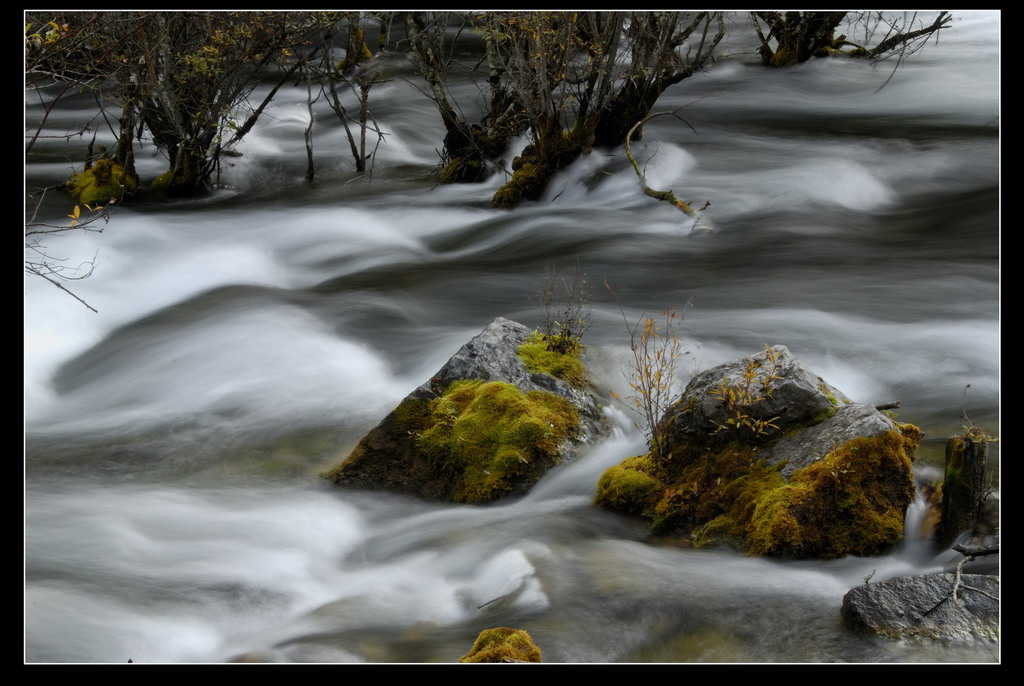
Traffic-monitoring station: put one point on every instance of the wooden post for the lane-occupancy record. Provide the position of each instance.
(963, 489)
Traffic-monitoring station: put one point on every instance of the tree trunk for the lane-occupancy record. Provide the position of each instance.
(963, 489)
(799, 36)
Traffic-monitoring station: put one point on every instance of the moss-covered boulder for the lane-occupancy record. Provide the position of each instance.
(492, 420)
(763, 455)
(104, 181)
(503, 644)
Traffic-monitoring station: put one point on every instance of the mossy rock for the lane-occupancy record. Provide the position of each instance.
(831, 478)
(503, 644)
(485, 426)
(486, 438)
(627, 487)
(720, 530)
(527, 183)
(533, 169)
(104, 181)
(475, 443)
(540, 358)
(851, 502)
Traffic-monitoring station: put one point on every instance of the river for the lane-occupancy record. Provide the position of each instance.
(245, 342)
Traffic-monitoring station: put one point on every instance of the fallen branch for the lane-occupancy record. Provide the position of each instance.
(501, 597)
(968, 556)
(666, 196)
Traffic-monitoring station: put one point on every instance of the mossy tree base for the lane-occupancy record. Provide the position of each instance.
(103, 182)
(184, 181)
(532, 171)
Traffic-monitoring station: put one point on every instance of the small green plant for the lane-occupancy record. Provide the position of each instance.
(757, 384)
(972, 430)
(651, 374)
(867, 579)
(565, 309)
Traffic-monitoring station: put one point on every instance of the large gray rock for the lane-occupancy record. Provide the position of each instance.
(796, 396)
(843, 475)
(810, 445)
(491, 356)
(417, 448)
(924, 606)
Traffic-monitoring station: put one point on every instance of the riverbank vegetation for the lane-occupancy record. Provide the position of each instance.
(571, 81)
(192, 85)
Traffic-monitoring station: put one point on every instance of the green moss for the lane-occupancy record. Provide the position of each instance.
(851, 502)
(185, 180)
(485, 438)
(821, 416)
(707, 481)
(503, 644)
(527, 183)
(827, 393)
(104, 181)
(554, 150)
(538, 358)
(721, 529)
(627, 487)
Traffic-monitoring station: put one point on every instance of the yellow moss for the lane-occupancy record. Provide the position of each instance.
(706, 480)
(485, 438)
(102, 182)
(503, 644)
(540, 360)
(851, 502)
(357, 53)
(526, 184)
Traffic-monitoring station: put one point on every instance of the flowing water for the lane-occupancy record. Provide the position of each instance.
(245, 342)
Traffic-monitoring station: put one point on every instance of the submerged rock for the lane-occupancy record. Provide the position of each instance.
(763, 455)
(924, 606)
(488, 424)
